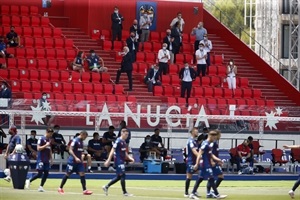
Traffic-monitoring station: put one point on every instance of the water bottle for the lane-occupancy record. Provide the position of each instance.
(283, 155)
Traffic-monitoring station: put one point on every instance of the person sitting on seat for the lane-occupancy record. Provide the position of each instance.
(109, 138)
(13, 39)
(78, 65)
(146, 148)
(94, 65)
(31, 145)
(58, 142)
(156, 141)
(243, 155)
(152, 77)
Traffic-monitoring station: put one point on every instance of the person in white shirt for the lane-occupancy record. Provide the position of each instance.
(163, 59)
(187, 75)
(207, 47)
(152, 78)
(201, 56)
(180, 19)
(145, 24)
(231, 76)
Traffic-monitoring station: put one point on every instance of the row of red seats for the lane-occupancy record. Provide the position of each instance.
(221, 103)
(68, 54)
(24, 21)
(53, 75)
(41, 64)
(19, 10)
(39, 42)
(246, 93)
(44, 32)
(66, 87)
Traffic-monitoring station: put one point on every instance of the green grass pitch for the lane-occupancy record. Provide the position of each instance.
(144, 190)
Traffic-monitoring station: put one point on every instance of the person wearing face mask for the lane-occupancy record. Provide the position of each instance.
(163, 57)
(126, 67)
(43, 102)
(145, 24)
(176, 35)
(231, 76)
(5, 92)
(13, 38)
(135, 28)
(199, 32)
(93, 61)
(152, 78)
(201, 56)
(133, 45)
(117, 25)
(207, 47)
(58, 142)
(169, 41)
(31, 145)
(187, 75)
(146, 148)
(180, 19)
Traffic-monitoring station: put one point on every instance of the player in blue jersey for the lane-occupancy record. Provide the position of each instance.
(75, 163)
(297, 183)
(205, 160)
(217, 169)
(44, 159)
(191, 156)
(120, 157)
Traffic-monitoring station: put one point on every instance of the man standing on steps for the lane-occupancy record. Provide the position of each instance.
(116, 26)
(126, 66)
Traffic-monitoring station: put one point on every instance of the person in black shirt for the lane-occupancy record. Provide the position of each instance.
(146, 148)
(250, 145)
(156, 140)
(109, 138)
(2, 135)
(13, 38)
(31, 145)
(58, 142)
(123, 125)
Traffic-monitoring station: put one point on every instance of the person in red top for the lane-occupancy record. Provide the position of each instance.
(244, 155)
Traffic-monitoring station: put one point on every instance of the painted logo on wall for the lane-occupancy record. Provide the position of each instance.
(149, 8)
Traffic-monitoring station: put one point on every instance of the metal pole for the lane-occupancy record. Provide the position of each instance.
(290, 40)
(250, 24)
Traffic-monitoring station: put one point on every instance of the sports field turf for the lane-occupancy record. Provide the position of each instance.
(236, 190)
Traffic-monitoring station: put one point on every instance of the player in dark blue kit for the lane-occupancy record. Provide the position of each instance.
(44, 159)
(217, 169)
(191, 153)
(75, 163)
(120, 157)
(205, 166)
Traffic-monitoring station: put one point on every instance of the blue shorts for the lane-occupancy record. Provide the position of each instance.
(40, 166)
(206, 172)
(120, 169)
(190, 169)
(75, 167)
(217, 170)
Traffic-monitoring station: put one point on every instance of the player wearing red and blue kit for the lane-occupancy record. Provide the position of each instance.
(120, 157)
(75, 163)
(43, 160)
(205, 163)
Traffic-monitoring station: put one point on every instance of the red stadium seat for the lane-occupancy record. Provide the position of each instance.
(61, 54)
(196, 82)
(24, 10)
(150, 57)
(155, 36)
(256, 93)
(142, 68)
(181, 101)
(12, 63)
(22, 63)
(270, 103)
(48, 43)
(107, 45)
(20, 52)
(25, 21)
(27, 95)
(32, 63)
(34, 75)
(62, 64)
(64, 76)
(118, 45)
(107, 89)
(227, 93)
(140, 57)
(15, 20)
(106, 34)
(95, 77)
(42, 64)
(52, 64)
(23, 74)
(70, 98)
(27, 31)
(90, 97)
(69, 43)
(173, 69)
(168, 90)
(238, 93)
(157, 90)
(125, 35)
(35, 21)
(156, 46)
(88, 88)
(34, 10)
(15, 86)
(218, 92)
(277, 157)
(215, 81)
(213, 70)
(5, 10)
(40, 53)
(105, 77)
(54, 75)
(131, 99)
(5, 20)
(58, 43)
(97, 88)
(75, 76)
(198, 92)
(208, 92)
(260, 102)
(77, 88)
(205, 81)
(179, 58)
(217, 59)
(44, 75)
(45, 21)
(187, 48)
(177, 90)
(250, 102)
(47, 32)
(67, 87)
(247, 93)
(36, 86)
(70, 54)
(57, 32)
(80, 97)
(25, 86)
(14, 10)
(185, 38)
(165, 79)
(243, 82)
(28, 41)
(46, 87)
(147, 47)
(119, 89)
(50, 53)
(189, 58)
(85, 77)
(175, 80)
(221, 70)
(38, 42)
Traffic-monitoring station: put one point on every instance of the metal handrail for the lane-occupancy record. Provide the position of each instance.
(261, 47)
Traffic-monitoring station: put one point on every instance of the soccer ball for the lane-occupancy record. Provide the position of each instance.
(7, 172)
(19, 148)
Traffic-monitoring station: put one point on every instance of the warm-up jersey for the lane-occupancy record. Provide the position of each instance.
(206, 148)
(44, 155)
(13, 141)
(120, 151)
(77, 146)
(191, 157)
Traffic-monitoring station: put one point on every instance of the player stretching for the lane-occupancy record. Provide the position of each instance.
(205, 170)
(75, 163)
(297, 183)
(42, 162)
(120, 156)
(191, 150)
(217, 169)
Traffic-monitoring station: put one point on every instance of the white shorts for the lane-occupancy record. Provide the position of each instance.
(231, 82)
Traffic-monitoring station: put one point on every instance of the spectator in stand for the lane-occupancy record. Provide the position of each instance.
(117, 26)
(186, 75)
(180, 20)
(109, 138)
(124, 125)
(146, 148)
(201, 56)
(5, 93)
(136, 29)
(199, 32)
(176, 35)
(126, 66)
(156, 140)
(145, 24)
(133, 45)
(31, 145)
(43, 102)
(58, 142)
(94, 65)
(13, 40)
(152, 77)
(78, 64)
(169, 41)
(231, 76)
(244, 155)
(2, 145)
(163, 59)
(3, 53)
(207, 47)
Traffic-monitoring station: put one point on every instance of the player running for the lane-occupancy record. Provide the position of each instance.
(205, 169)
(217, 169)
(75, 163)
(44, 160)
(120, 157)
(297, 183)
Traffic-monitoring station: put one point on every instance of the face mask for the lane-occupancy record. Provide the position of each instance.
(32, 136)
(3, 86)
(164, 48)
(145, 15)
(148, 140)
(186, 67)
(93, 54)
(231, 63)
(199, 26)
(201, 48)
(132, 36)
(116, 11)
(134, 24)
(44, 97)
(179, 17)
(56, 130)
(168, 34)
(205, 38)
